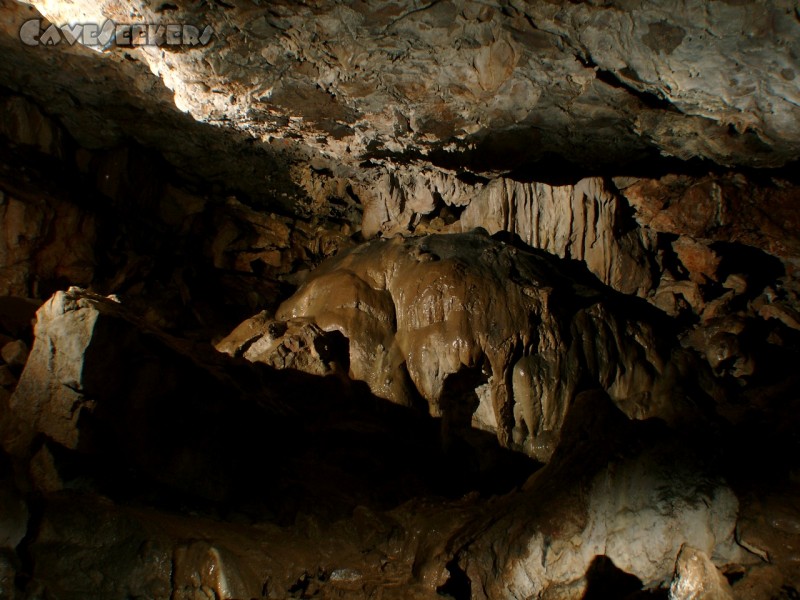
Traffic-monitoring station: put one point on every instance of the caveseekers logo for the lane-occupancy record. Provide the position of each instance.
(32, 33)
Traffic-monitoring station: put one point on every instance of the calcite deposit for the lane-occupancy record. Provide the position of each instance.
(415, 299)
(489, 335)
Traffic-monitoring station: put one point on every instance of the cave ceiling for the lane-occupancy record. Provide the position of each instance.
(532, 89)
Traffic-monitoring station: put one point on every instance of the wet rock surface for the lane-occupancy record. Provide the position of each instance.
(420, 300)
(489, 335)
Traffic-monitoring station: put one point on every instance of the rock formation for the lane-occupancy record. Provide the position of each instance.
(490, 336)
(410, 299)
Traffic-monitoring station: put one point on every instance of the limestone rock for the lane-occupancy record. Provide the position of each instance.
(44, 240)
(43, 472)
(605, 494)
(488, 335)
(788, 315)
(101, 382)
(15, 353)
(764, 582)
(769, 526)
(120, 556)
(723, 342)
(583, 222)
(269, 245)
(495, 88)
(297, 344)
(729, 208)
(699, 260)
(24, 123)
(202, 570)
(49, 396)
(677, 298)
(697, 578)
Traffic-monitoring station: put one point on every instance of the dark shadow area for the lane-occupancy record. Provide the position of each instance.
(761, 268)
(605, 581)
(458, 585)
(127, 243)
(191, 431)
(517, 154)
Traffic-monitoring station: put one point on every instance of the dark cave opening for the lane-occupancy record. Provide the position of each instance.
(606, 581)
(458, 585)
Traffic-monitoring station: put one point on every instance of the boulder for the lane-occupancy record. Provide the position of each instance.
(486, 334)
(101, 383)
(295, 344)
(697, 578)
(15, 353)
(631, 495)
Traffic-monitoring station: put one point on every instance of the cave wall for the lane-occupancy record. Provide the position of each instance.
(504, 297)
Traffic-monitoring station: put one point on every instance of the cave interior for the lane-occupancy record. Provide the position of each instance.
(409, 299)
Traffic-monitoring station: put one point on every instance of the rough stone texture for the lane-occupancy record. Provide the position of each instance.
(727, 208)
(119, 221)
(127, 552)
(202, 186)
(488, 335)
(353, 80)
(769, 527)
(584, 222)
(697, 578)
(43, 239)
(101, 382)
(604, 495)
(616, 497)
(699, 260)
(50, 396)
(297, 344)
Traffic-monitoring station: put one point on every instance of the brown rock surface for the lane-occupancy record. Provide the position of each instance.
(95, 380)
(728, 208)
(494, 86)
(603, 497)
(696, 578)
(699, 260)
(44, 240)
(297, 344)
(610, 149)
(489, 335)
(584, 222)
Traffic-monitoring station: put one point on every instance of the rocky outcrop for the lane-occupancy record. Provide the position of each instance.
(728, 208)
(101, 382)
(493, 87)
(584, 222)
(297, 344)
(488, 335)
(45, 241)
(610, 515)
(697, 577)
(608, 505)
(550, 233)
